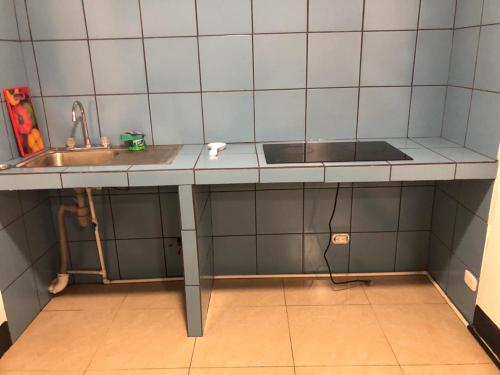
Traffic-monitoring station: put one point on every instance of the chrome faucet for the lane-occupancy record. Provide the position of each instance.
(82, 119)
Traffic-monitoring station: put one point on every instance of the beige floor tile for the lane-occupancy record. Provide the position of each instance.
(244, 336)
(58, 340)
(247, 292)
(322, 292)
(451, 370)
(88, 297)
(402, 290)
(155, 296)
(337, 335)
(183, 371)
(243, 371)
(428, 334)
(349, 370)
(142, 339)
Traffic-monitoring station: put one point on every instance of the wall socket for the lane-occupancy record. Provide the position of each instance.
(470, 280)
(341, 238)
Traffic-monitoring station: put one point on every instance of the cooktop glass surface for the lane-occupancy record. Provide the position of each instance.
(279, 153)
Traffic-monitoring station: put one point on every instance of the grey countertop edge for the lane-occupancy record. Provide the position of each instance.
(261, 165)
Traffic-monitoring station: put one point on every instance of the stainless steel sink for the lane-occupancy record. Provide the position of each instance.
(112, 156)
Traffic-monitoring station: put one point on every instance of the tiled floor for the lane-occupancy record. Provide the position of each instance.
(396, 326)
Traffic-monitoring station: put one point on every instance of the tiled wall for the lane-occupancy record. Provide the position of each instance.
(283, 228)
(459, 227)
(140, 229)
(191, 71)
(473, 99)
(28, 256)
(471, 118)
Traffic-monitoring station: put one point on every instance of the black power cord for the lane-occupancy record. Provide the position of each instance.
(367, 282)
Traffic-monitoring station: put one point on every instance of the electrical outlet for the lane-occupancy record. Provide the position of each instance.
(470, 280)
(341, 238)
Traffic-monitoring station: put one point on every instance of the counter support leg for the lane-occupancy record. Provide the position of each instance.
(197, 252)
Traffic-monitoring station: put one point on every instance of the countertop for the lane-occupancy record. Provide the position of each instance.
(433, 159)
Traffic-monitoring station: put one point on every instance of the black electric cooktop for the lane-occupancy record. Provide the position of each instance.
(279, 153)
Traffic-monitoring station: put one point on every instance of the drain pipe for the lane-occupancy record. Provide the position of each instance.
(81, 211)
(86, 215)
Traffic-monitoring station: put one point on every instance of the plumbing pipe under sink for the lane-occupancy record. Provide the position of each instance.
(86, 215)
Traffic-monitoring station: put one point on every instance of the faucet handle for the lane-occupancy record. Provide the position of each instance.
(70, 142)
(105, 142)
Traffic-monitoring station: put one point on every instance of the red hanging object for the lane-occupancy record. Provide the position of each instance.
(22, 117)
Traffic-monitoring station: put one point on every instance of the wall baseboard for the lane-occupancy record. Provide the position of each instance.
(5, 340)
(487, 333)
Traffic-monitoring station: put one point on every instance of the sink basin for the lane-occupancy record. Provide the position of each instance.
(112, 156)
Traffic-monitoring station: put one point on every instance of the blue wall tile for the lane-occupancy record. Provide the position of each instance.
(333, 59)
(279, 253)
(235, 255)
(416, 208)
(180, 55)
(39, 230)
(373, 252)
(476, 196)
(233, 213)
(141, 258)
(463, 56)
(412, 251)
(113, 18)
(427, 108)
(222, 110)
(45, 270)
(432, 58)
(279, 211)
(21, 303)
(318, 206)
(226, 62)
(126, 210)
(443, 217)
(335, 15)
(11, 207)
(314, 248)
(280, 61)
(387, 58)
(280, 115)
(14, 252)
(383, 112)
(332, 113)
(173, 257)
(375, 209)
(49, 20)
(170, 215)
(439, 261)
(168, 17)
(224, 17)
(469, 239)
(64, 68)
(456, 114)
(279, 15)
(391, 14)
(488, 60)
(437, 14)
(468, 13)
(483, 132)
(118, 66)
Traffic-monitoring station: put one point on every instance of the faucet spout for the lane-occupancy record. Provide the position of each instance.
(82, 119)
